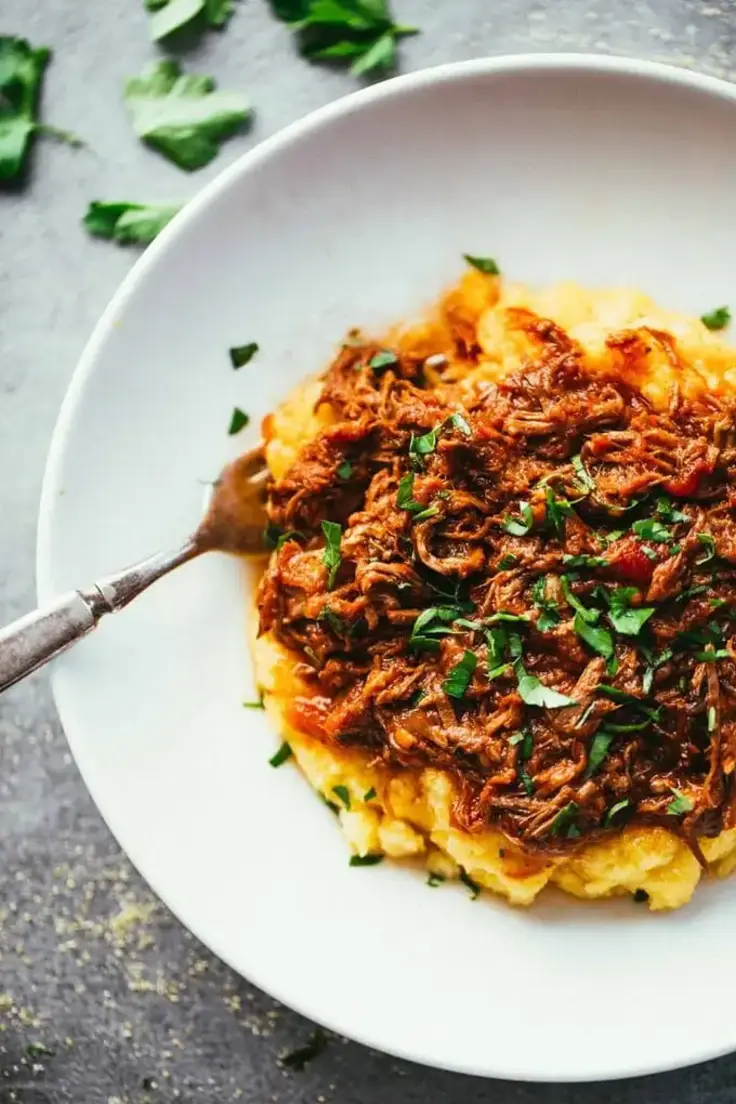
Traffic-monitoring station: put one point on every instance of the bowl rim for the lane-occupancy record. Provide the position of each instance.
(359, 100)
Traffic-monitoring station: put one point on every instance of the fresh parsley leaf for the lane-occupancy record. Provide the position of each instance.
(716, 319)
(281, 755)
(238, 421)
(679, 804)
(519, 526)
(564, 818)
(711, 657)
(240, 355)
(435, 879)
(635, 726)
(507, 560)
(369, 795)
(460, 423)
(623, 698)
(331, 556)
(345, 470)
(652, 530)
(360, 31)
(649, 553)
(598, 750)
(458, 679)
(527, 782)
(425, 633)
(127, 223)
(365, 860)
(471, 885)
(170, 16)
(343, 793)
(612, 813)
(182, 115)
(405, 500)
(504, 615)
(626, 619)
(584, 478)
(39, 1050)
(486, 265)
(534, 692)
(21, 76)
(595, 636)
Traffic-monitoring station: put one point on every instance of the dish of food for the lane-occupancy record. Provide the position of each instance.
(605, 172)
(497, 628)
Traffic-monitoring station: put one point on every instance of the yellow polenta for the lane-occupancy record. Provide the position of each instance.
(405, 814)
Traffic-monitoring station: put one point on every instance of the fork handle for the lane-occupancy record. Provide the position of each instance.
(31, 641)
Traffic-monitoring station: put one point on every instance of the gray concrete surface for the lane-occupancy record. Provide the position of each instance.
(130, 1007)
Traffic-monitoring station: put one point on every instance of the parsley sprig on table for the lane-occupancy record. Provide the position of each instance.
(168, 17)
(127, 223)
(21, 75)
(182, 115)
(361, 32)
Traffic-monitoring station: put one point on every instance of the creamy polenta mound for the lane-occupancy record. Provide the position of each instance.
(400, 796)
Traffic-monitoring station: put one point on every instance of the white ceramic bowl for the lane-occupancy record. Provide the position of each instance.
(602, 170)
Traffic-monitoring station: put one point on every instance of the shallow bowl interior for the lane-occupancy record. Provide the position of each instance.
(603, 171)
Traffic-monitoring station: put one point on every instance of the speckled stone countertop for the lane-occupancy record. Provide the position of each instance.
(104, 998)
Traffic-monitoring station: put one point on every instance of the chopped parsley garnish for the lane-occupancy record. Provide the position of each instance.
(331, 557)
(337, 624)
(625, 618)
(238, 420)
(405, 500)
(330, 804)
(519, 526)
(281, 755)
(435, 880)
(369, 795)
(366, 860)
(613, 811)
(716, 319)
(564, 818)
(39, 1050)
(458, 680)
(254, 704)
(275, 537)
(385, 359)
(598, 750)
(680, 803)
(471, 885)
(669, 511)
(505, 615)
(343, 793)
(430, 625)
(584, 561)
(345, 470)
(507, 560)
(557, 510)
(549, 615)
(181, 115)
(649, 552)
(595, 636)
(534, 692)
(240, 355)
(710, 544)
(460, 423)
(652, 665)
(487, 265)
(584, 479)
(425, 444)
(589, 615)
(652, 530)
(126, 223)
(361, 32)
(167, 17)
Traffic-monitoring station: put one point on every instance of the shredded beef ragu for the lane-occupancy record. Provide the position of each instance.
(550, 464)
